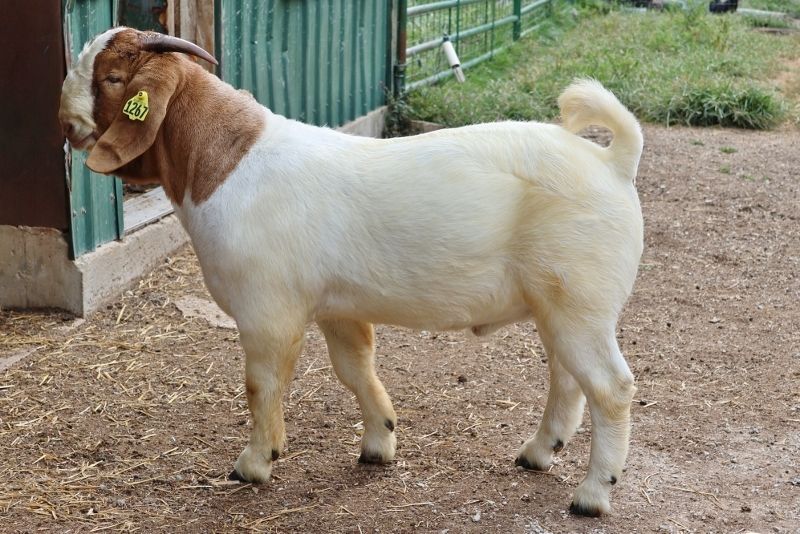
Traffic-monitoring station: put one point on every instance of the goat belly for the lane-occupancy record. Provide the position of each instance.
(450, 307)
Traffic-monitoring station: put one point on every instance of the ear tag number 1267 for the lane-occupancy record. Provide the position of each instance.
(137, 107)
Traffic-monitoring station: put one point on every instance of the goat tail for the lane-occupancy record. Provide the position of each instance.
(586, 102)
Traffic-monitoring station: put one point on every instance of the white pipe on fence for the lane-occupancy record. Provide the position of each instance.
(452, 58)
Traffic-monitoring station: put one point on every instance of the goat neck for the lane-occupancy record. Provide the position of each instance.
(208, 128)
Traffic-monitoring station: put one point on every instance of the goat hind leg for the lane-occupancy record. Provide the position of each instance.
(594, 359)
(562, 415)
(351, 345)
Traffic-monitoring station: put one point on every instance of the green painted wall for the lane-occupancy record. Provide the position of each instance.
(318, 61)
(95, 200)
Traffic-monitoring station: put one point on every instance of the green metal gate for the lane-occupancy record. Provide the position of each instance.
(479, 30)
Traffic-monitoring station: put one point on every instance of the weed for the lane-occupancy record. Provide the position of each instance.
(724, 105)
(398, 115)
(593, 7)
(728, 150)
(725, 169)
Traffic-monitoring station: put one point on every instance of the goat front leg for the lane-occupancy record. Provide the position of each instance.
(351, 345)
(270, 355)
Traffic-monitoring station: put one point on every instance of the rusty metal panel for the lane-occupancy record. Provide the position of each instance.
(321, 62)
(33, 191)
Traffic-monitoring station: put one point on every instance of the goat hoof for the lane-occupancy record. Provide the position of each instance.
(585, 511)
(378, 447)
(591, 498)
(253, 466)
(234, 475)
(370, 458)
(524, 463)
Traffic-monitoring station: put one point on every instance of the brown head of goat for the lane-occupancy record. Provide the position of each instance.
(150, 115)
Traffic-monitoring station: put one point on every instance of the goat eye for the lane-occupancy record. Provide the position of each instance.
(112, 78)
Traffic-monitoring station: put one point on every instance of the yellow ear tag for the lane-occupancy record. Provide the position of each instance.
(137, 107)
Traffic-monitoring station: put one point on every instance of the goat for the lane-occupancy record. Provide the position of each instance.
(468, 228)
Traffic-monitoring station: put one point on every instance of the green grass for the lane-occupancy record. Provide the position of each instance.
(791, 7)
(768, 22)
(681, 67)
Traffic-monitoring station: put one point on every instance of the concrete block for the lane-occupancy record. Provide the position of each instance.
(36, 272)
(370, 125)
(113, 267)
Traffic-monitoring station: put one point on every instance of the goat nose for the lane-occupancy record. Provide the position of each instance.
(67, 128)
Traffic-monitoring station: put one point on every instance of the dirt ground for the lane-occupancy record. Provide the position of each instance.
(131, 419)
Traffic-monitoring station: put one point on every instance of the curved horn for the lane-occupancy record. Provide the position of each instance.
(158, 42)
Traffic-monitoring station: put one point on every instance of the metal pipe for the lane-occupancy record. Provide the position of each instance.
(437, 6)
(218, 33)
(447, 73)
(530, 7)
(457, 38)
(428, 45)
(531, 29)
(494, 19)
(402, 42)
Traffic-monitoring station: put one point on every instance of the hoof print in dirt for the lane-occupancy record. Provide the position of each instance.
(527, 465)
(585, 511)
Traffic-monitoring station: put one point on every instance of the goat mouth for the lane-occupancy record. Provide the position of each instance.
(84, 144)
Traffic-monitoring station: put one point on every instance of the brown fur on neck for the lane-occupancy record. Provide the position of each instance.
(208, 128)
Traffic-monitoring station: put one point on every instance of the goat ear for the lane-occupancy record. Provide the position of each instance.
(129, 137)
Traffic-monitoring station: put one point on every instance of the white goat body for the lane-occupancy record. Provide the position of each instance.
(446, 230)
(472, 227)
